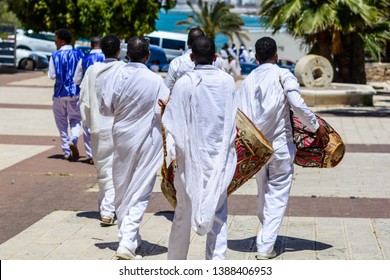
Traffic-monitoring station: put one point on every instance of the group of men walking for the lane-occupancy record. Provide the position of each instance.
(121, 107)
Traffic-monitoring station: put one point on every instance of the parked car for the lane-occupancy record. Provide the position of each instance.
(157, 55)
(173, 43)
(84, 49)
(32, 41)
(287, 64)
(247, 67)
(30, 60)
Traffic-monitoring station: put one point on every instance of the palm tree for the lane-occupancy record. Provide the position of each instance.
(215, 18)
(338, 30)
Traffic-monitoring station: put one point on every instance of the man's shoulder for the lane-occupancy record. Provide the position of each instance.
(147, 74)
(182, 58)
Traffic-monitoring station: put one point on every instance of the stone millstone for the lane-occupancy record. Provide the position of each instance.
(314, 71)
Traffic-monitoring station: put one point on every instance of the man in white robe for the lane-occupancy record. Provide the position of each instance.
(132, 98)
(200, 116)
(100, 126)
(266, 96)
(183, 64)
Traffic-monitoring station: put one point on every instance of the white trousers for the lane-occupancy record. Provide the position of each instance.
(102, 147)
(87, 141)
(274, 182)
(179, 239)
(67, 117)
(128, 234)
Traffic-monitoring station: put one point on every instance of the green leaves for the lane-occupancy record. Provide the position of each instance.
(86, 18)
(334, 27)
(215, 18)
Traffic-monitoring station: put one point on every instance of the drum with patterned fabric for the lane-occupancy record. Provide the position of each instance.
(253, 151)
(310, 153)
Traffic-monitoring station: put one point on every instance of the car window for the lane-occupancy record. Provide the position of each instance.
(46, 37)
(173, 44)
(154, 41)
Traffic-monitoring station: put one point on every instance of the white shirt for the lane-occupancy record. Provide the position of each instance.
(79, 73)
(52, 70)
(181, 65)
(235, 68)
(266, 96)
(94, 80)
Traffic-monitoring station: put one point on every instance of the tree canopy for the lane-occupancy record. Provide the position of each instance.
(86, 18)
(341, 30)
(215, 18)
(5, 14)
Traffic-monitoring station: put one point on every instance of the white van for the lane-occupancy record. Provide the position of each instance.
(173, 43)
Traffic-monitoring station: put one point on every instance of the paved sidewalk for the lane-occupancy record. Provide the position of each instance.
(48, 206)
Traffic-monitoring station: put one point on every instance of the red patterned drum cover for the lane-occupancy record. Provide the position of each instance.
(311, 154)
(253, 151)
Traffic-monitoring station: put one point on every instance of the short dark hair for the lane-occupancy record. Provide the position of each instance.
(194, 33)
(110, 45)
(64, 34)
(265, 48)
(203, 50)
(95, 42)
(137, 48)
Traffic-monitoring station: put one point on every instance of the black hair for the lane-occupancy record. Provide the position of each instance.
(110, 45)
(203, 50)
(64, 34)
(137, 48)
(194, 33)
(265, 49)
(95, 42)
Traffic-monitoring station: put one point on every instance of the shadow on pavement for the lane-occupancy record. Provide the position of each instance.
(108, 245)
(283, 244)
(167, 214)
(379, 112)
(89, 215)
(151, 249)
(146, 248)
(57, 156)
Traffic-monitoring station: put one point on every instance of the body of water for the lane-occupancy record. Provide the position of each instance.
(167, 22)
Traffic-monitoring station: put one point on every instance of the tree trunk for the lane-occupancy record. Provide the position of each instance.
(358, 63)
(351, 63)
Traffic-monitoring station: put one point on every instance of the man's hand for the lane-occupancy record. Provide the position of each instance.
(162, 102)
(322, 135)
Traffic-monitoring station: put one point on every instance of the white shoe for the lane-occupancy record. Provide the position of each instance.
(265, 256)
(106, 221)
(125, 254)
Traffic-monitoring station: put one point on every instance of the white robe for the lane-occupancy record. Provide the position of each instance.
(131, 97)
(264, 100)
(266, 96)
(101, 130)
(201, 118)
(183, 64)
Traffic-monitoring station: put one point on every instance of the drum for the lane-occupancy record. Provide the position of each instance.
(253, 151)
(311, 154)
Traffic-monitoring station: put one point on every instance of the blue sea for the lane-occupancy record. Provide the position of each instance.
(167, 22)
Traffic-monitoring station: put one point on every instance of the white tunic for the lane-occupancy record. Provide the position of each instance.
(266, 96)
(94, 80)
(181, 65)
(267, 104)
(202, 123)
(102, 146)
(131, 97)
